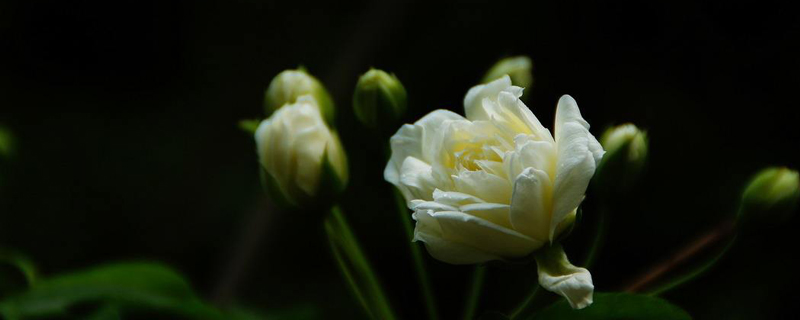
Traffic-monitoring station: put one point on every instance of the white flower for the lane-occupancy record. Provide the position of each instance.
(293, 146)
(495, 185)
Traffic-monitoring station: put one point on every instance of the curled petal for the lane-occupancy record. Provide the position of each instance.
(558, 275)
(578, 154)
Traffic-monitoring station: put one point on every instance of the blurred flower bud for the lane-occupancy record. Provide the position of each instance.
(518, 68)
(379, 99)
(625, 158)
(771, 195)
(302, 158)
(6, 143)
(289, 85)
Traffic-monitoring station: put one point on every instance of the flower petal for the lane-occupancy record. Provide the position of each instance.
(483, 235)
(484, 185)
(473, 101)
(577, 160)
(530, 204)
(415, 140)
(557, 274)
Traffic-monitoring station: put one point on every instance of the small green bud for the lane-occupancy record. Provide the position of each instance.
(289, 85)
(625, 158)
(518, 68)
(771, 195)
(6, 143)
(379, 100)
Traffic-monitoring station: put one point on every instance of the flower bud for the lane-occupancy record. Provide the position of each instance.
(379, 99)
(6, 143)
(302, 158)
(771, 195)
(625, 158)
(289, 85)
(518, 68)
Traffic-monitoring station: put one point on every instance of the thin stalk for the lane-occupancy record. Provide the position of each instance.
(599, 239)
(474, 292)
(717, 234)
(355, 267)
(417, 257)
(525, 303)
(693, 274)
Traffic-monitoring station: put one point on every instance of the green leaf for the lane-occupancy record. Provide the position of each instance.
(17, 273)
(617, 306)
(125, 286)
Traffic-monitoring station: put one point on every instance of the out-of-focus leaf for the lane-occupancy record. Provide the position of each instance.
(617, 306)
(493, 315)
(17, 272)
(129, 286)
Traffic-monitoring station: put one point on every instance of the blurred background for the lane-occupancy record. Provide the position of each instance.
(125, 118)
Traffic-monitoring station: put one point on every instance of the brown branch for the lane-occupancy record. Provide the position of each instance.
(700, 244)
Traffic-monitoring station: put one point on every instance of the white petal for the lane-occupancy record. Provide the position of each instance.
(454, 198)
(486, 186)
(451, 252)
(473, 101)
(577, 160)
(530, 204)
(493, 212)
(415, 140)
(483, 235)
(416, 181)
(558, 275)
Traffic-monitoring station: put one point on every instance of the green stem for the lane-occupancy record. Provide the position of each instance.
(599, 239)
(474, 292)
(416, 255)
(525, 303)
(355, 267)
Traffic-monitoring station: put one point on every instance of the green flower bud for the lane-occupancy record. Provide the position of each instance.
(625, 158)
(771, 195)
(289, 85)
(6, 143)
(518, 68)
(379, 100)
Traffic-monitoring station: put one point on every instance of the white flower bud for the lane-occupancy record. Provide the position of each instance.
(299, 153)
(289, 85)
(518, 68)
(626, 155)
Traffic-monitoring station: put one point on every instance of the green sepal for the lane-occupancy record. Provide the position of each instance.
(273, 190)
(249, 125)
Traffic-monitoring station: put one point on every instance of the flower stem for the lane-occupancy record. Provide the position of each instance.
(599, 238)
(474, 291)
(355, 267)
(525, 303)
(718, 233)
(416, 255)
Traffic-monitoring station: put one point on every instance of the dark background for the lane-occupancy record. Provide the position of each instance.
(125, 114)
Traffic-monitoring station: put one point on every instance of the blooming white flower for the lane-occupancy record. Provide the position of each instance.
(497, 185)
(294, 145)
